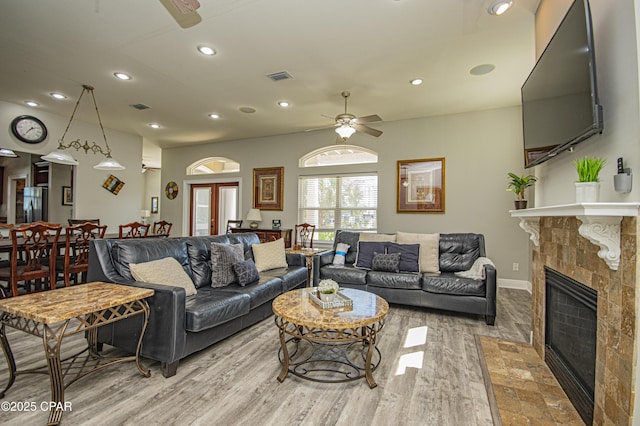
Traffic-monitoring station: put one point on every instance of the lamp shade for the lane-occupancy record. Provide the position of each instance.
(345, 131)
(145, 213)
(254, 215)
(60, 156)
(6, 152)
(109, 164)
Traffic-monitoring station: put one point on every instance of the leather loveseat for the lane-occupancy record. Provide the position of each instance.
(180, 325)
(444, 290)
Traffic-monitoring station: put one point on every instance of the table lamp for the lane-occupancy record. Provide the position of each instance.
(145, 214)
(254, 216)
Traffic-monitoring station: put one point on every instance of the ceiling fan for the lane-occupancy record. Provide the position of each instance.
(183, 11)
(347, 124)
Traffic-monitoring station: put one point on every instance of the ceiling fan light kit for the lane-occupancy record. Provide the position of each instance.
(499, 7)
(345, 131)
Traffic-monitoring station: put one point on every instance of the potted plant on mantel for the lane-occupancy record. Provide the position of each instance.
(588, 184)
(517, 185)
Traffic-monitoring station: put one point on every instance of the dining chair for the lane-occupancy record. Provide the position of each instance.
(76, 250)
(133, 230)
(162, 228)
(80, 221)
(35, 241)
(303, 237)
(233, 223)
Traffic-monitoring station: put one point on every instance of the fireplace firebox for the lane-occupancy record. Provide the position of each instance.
(570, 338)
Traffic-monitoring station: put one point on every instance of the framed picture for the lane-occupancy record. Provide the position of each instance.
(67, 196)
(420, 186)
(113, 184)
(268, 188)
(154, 204)
(275, 224)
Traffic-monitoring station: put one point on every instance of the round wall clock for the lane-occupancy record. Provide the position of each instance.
(28, 129)
(171, 190)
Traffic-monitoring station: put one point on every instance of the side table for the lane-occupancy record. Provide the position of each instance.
(308, 254)
(55, 314)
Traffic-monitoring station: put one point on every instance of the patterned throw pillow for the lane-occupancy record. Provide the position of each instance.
(246, 272)
(223, 256)
(165, 271)
(341, 252)
(386, 262)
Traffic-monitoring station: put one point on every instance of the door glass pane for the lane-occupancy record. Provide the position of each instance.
(201, 211)
(227, 206)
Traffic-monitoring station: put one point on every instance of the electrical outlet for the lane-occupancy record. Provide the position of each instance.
(516, 266)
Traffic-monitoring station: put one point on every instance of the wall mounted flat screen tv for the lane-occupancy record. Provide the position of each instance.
(560, 98)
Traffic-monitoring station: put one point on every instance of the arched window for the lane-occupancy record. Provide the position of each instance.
(336, 155)
(213, 165)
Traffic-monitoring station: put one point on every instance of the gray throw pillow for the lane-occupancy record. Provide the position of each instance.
(410, 256)
(223, 256)
(246, 271)
(365, 253)
(386, 262)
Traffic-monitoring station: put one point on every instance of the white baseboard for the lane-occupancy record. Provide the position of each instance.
(515, 284)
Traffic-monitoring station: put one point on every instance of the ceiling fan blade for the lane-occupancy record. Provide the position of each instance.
(367, 119)
(326, 116)
(366, 129)
(322, 128)
(185, 20)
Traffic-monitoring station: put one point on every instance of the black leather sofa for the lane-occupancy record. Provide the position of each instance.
(180, 325)
(447, 291)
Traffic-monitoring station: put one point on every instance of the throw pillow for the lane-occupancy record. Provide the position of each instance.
(269, 255)
(223, 256)
(365, 253)
(341, 253)
(429, 249)
(165, 271)
(369, 236)
(246, 272)
(409, 256)
(386, 262)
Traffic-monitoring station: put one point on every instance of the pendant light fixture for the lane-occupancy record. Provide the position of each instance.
(62, 156)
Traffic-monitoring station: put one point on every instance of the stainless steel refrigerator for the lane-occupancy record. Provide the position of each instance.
(36, 204)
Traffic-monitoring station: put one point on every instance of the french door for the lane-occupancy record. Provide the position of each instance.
(212, 205)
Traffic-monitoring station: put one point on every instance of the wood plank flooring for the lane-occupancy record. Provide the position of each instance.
(234, 382)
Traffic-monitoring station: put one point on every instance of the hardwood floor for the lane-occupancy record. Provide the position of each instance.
(234, 382)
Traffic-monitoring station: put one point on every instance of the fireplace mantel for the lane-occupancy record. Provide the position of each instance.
(600, 224)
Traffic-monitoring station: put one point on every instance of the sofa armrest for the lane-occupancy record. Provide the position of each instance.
(491, 286)
(294, 259)
(319, 260)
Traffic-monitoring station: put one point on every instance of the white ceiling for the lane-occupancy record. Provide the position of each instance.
(369, 47)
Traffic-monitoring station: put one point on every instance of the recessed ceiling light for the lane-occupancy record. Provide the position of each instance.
(31, 103)
(154, 125)
(58, 95)
(206, 50)
(283, 104)
(214, 116)
(500, 7)
(247, 110)
(416, 81)
(122, 76)
(482, 69)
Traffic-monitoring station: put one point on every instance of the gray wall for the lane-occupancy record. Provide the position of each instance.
(479, 149)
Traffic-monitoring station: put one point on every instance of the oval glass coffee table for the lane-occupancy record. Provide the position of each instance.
(333, 344)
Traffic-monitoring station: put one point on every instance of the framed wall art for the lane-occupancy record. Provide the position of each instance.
(113, 184)
(154, 205)
(420, 186)
(67, 196)
(268, 188)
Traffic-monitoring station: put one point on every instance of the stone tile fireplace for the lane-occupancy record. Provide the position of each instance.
(563, 247)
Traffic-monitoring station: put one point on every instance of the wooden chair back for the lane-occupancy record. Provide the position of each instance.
(133, 230)
(76, 252)
(162, 228)
(233, 223)
(303, 237)
(80, 221)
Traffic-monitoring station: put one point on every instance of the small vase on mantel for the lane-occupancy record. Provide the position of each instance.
(587, 192)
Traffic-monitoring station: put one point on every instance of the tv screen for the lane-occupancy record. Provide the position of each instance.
(559, 98)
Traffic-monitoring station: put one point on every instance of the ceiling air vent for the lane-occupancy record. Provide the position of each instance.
(140, 106)
(278, 76)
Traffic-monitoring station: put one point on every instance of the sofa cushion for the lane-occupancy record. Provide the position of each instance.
(269, 255)
(449, 283)
(394, 280)
(347, 274)
(141, 250)
(351, 239)
(247, 239)
(458, 251)
(365, 253)
(246, 272)
(223, 257)
(410, 256)
(165, 271)
(386, 262)
(214, 306)
(262, 291)
(291, 276)
(429, 249)
(199, 251)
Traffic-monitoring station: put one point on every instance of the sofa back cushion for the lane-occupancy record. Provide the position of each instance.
(143, 250)
(459, 251)
(351, 239)
(199, 251)
(247, 240)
